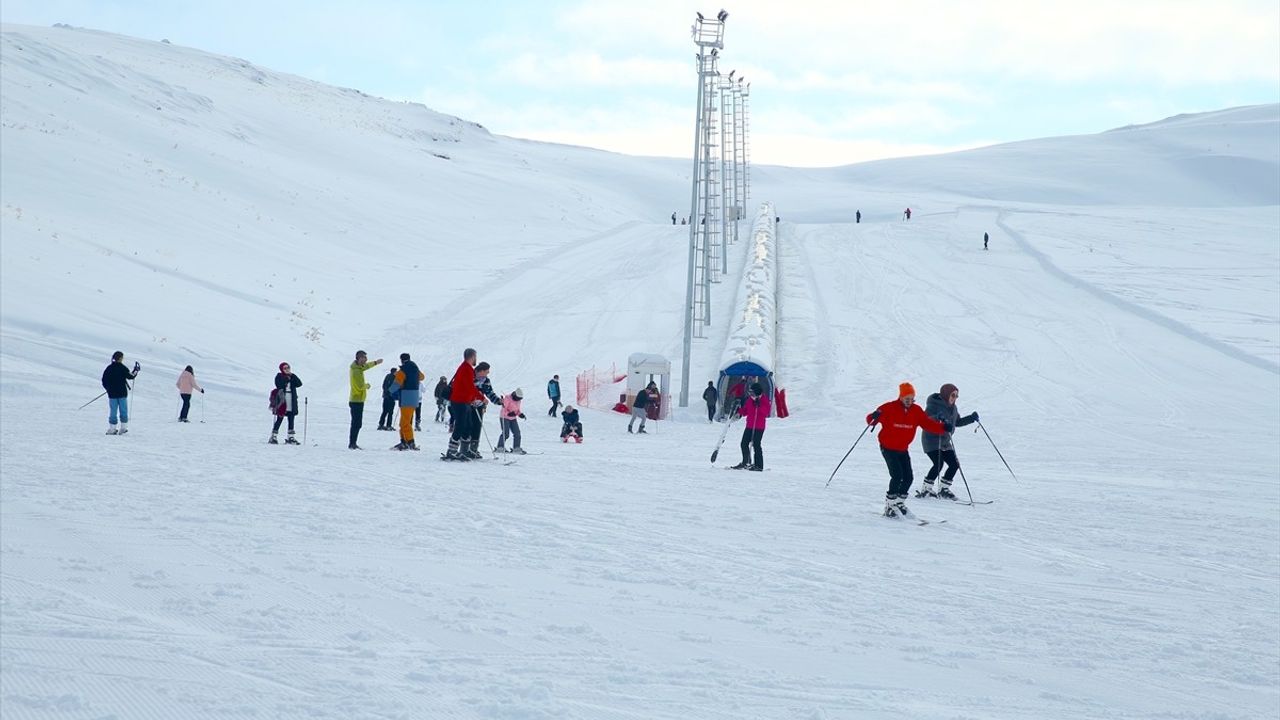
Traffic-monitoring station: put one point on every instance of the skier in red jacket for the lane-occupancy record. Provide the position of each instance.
(464, 406)
(898, 420)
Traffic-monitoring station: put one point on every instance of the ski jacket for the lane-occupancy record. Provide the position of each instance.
(642, 399)
(938, 409)
(510, 407)
(442, 390)
(486, 389)
(288, 386)
(464, 385)
(409, 379)
(553, 389)
(756, 411)
(710, 395)
(570, 417)
(187, 383)
(114, 380)
(898, 425)
(359, 388)
(387, 383)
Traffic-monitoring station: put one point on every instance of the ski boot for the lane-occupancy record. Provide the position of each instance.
(124, 427)
(630, 430)
(272, 440)
(642, 431)
(740, 466)
(926, 490)
(753, 468)
(518, 451)
(900, 504)
(291, 440)
(353, 446)
(113, 430)
(946, 494)
(890, 510)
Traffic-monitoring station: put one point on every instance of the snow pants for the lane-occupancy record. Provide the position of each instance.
(751, 441)
(388, 412)
(186, 405)
(511, 429)
(571, 429)
(711, 411)
(900, 477)
(938, 457)
(357, 421)
(406, 424)
(466, 423)
(555, 406)
(442, 407)
(119, 407)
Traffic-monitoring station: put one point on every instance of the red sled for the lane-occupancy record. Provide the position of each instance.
(780, 403)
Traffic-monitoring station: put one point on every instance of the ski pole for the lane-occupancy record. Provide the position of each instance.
(483, 429)
(304, 420)
(202, 407)
(966, 482)
(104, 392)
(846, 455)
(993, 446)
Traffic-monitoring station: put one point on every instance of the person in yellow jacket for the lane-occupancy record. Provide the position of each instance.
(359, 389)
(409, 383)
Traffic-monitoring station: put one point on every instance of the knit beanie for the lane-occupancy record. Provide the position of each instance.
(519, 393)
(946, 391)
(906, 389)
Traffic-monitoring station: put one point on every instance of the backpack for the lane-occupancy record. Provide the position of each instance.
(276, 402)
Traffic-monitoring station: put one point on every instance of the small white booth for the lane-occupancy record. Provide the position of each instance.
(643, 368)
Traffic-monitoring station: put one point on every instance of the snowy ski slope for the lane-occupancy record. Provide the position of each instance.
(1121, 340)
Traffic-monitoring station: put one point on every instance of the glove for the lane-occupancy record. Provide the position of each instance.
(973, 417)
(136, 367)
(948, 427)
(875, 415)
(201, 391)
(522, 417)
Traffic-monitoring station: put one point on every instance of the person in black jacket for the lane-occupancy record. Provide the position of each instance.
(572, 425)
(287, 385)
(643, 398)
(712, 397)
(388, 401)
(442, 398)
(115, 380)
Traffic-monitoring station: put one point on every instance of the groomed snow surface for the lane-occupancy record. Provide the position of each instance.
(1120, 340)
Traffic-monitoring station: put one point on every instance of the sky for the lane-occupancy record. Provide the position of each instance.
(832, 83)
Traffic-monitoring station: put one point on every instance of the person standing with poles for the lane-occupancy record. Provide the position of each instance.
(712, 397)
(286, 405)
(359, 391)
(115, 380)
(899, 420)
(511, 417)
(553, 392)
(186, 385)
(756, 410)
(941, 406)
(464, 403)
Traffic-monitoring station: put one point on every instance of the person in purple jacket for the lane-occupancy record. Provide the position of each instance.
(756, 410)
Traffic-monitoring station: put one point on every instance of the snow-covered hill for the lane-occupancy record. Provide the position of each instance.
(1120, 338)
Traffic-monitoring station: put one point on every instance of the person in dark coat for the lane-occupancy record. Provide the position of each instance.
(985, 239)
(287, 385)
(857, 218)
(553, 392)
(389, 398)
(115, 380)
(643, 398)
(712, 397)
(572, 425)
(442, 398)
(941, 406)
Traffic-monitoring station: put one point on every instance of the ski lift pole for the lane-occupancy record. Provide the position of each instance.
(846, 455)
(993, 447)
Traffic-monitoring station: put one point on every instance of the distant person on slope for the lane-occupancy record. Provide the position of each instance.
(511, 417)
(985, 239)
(359, 391)
(907, 214)
(572, 427)
(857, 218)
(756, 410)
(899, 420)
(409, 384)
(643, 398)
(388, 400)
(711, 397)
(673, 218)
(115, 380)
(442, 398)
(553, 392)
(186, 386)
(287, 385)
(941, 406)
(464, 404)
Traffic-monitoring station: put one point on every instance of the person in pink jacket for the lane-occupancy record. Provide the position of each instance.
(510, 418)
(186, 385)
(756, 410)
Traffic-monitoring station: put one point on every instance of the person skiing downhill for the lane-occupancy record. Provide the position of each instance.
(287, 385)
(359, 391)
(388, 400)
(464, 404)
(115, 380)
(511, 417)
(186, 386)
(899, 420)
(941, 406)
(409, 384)
(756, 410)
(553, 392)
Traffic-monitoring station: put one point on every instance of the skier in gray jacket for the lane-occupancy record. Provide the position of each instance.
(941, 406)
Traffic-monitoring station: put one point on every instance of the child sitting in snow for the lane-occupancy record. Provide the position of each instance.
(572, 426)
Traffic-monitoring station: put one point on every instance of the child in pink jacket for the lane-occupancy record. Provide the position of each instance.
(510, 418)
(186, 385)
(756, 410)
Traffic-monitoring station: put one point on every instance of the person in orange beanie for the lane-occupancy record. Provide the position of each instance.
(898, 422)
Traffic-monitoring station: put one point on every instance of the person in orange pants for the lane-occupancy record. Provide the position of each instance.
(409, 379)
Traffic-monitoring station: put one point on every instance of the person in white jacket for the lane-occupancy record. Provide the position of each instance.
(186, 386)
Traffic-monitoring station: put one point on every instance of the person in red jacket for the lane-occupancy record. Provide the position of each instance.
(898, 422)
(464, 403)
(756, 411)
